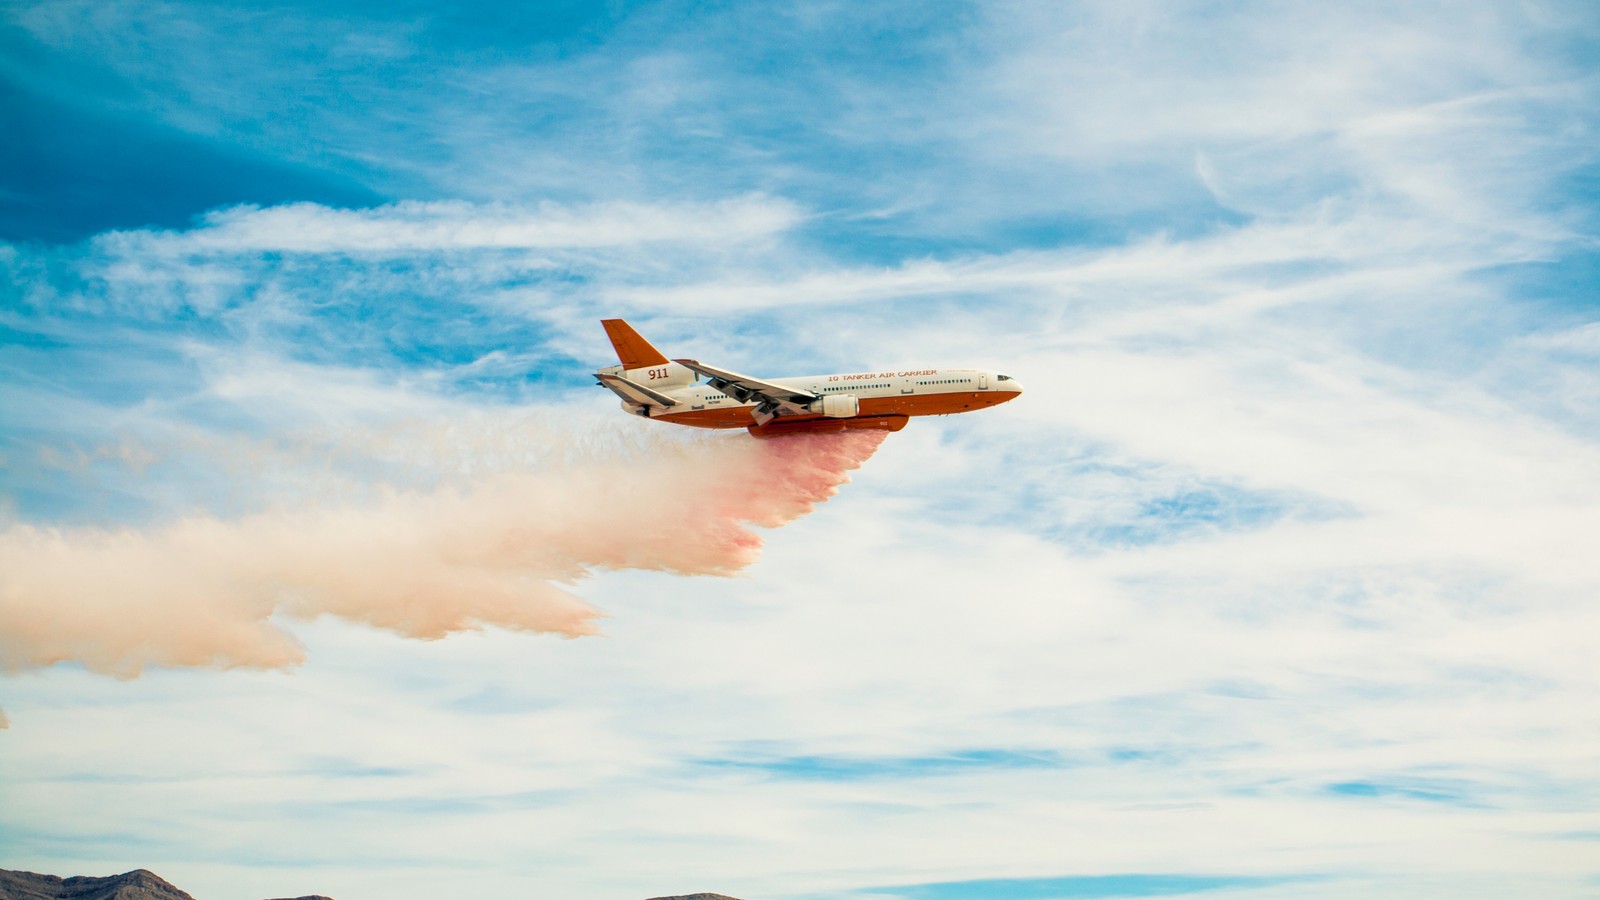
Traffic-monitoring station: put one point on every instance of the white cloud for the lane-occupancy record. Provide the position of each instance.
(1584, 339)
(415, 226)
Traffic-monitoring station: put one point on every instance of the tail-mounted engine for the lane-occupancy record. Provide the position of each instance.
(670, 375)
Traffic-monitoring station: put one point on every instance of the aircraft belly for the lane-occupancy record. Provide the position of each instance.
(870, 407)
(733, 417)
(794, 425)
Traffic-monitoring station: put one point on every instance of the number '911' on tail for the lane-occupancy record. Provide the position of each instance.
(642, 365)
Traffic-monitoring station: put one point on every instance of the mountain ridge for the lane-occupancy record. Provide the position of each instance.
(143, 884)
(140, 884)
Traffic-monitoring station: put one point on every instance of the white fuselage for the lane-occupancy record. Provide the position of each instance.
(900, 393)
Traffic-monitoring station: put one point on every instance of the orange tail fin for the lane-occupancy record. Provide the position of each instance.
(634, 351)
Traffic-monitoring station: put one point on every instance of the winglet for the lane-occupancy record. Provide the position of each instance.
(633, 350)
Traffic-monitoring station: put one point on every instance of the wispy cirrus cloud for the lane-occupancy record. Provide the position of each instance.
(444, 226)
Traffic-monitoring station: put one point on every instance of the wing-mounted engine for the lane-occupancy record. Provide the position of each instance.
(836, 406)
(833, 406)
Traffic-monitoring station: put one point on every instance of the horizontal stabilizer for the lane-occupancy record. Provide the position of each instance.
(634, 392)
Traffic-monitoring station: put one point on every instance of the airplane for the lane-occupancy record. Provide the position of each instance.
(655, 387)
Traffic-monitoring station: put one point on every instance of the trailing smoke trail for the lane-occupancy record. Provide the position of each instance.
(200, 592)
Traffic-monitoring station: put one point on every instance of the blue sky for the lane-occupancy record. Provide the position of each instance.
(1277, 582)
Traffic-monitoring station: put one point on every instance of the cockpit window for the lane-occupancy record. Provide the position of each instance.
(999, 377)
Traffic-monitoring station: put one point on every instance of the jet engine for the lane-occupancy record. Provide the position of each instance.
(837, 406)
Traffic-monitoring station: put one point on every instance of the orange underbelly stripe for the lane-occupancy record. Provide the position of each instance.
(903, 405)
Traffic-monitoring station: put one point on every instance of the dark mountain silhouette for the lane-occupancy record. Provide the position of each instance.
(143, 884)
(140, 884)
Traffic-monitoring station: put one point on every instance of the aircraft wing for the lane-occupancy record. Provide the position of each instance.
(774, 399)
(634, 392)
